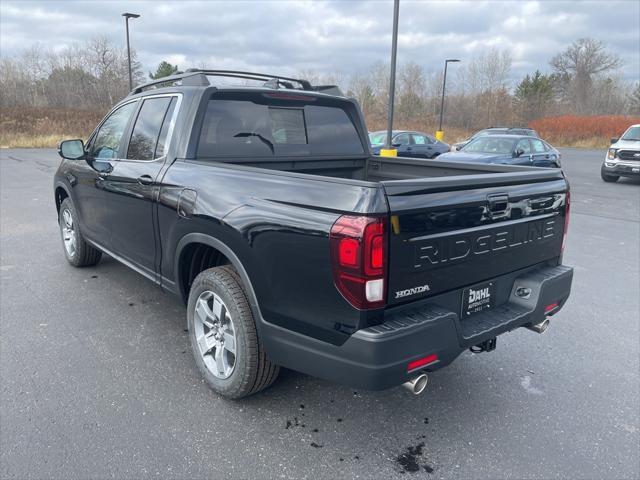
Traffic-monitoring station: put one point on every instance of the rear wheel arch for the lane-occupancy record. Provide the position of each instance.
(187, 266)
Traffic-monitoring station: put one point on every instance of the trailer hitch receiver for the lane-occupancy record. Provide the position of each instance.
(486, 346)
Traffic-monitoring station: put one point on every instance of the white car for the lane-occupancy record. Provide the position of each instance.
(623, 156)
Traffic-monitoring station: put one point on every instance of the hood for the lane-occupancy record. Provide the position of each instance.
(627, 144)
(473, 157)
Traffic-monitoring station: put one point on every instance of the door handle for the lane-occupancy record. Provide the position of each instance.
(145, 180)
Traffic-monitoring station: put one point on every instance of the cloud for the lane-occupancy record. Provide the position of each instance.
(335, 36)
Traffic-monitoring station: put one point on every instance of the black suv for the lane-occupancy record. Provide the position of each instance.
(264, 210)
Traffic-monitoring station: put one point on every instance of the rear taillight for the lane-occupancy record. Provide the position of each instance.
(359, 260)
(566, 219)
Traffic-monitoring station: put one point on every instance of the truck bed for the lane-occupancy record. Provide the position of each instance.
(378, 169)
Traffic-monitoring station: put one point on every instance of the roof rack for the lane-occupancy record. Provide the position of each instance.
(198, 77)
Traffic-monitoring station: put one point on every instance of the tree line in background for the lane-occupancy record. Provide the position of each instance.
(584, 80)
(90, 75)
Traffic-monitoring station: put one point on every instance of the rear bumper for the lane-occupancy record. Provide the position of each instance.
(376, 358)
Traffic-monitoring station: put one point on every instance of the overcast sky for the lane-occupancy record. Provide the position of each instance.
(284, 37)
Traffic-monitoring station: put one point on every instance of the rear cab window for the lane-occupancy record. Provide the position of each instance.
(238, 124)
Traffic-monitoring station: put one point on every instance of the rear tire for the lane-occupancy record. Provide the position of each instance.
(223, 335)
(76, 249)
(608, 178)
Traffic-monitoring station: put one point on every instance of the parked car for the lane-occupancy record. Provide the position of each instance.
(496, 131)
(409, 144)
(623, 156)
(264, 210)
(507, 150)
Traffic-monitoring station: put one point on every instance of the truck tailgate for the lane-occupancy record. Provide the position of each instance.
(449, 236)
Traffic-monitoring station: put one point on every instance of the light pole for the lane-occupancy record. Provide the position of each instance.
(388, 150)
(127, 16)
(440, 133)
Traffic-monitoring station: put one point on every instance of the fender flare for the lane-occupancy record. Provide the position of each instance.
(233, 258)
(59, 184)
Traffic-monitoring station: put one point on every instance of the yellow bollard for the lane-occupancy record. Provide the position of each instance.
(388, 152)
(439, 135)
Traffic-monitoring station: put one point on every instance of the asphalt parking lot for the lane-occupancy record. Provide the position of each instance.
(97, 379)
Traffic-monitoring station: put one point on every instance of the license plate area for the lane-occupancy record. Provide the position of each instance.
(478, 298)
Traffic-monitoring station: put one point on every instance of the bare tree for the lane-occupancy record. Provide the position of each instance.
(581, 62)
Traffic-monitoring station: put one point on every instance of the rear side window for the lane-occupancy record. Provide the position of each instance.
(167, 126)
(421, 139)
(252, 128)
(402, 140)
(146, 134)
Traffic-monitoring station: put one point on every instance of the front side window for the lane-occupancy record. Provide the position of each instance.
(538, 146)
(238, 127)
(146, 131)
(524, 146)
(109, 137)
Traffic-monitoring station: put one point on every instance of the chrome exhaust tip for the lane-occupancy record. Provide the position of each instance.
(417, 384)
(539, 327)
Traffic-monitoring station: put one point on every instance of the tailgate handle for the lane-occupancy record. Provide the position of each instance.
(498, 203)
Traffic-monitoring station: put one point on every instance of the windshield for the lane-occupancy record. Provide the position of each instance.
(632, 134)
(378, 138)
(489, 144)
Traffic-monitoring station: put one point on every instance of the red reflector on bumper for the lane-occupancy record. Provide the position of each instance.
(550, 307)
(421, 362)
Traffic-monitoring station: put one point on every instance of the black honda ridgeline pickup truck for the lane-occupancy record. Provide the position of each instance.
(264, 210)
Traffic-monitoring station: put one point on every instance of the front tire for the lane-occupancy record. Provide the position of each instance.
(223, 335)
(608, 178)
(76, 249)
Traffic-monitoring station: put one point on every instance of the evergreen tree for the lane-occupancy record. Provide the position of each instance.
(533, 95)
(164, 70)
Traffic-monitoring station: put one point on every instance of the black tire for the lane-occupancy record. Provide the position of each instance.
(83, 255)
(608, 178)
(252, 370)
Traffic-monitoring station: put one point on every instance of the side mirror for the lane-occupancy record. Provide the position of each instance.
(519, 152)
(614, 140)
(396, 144)
(72, 149)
